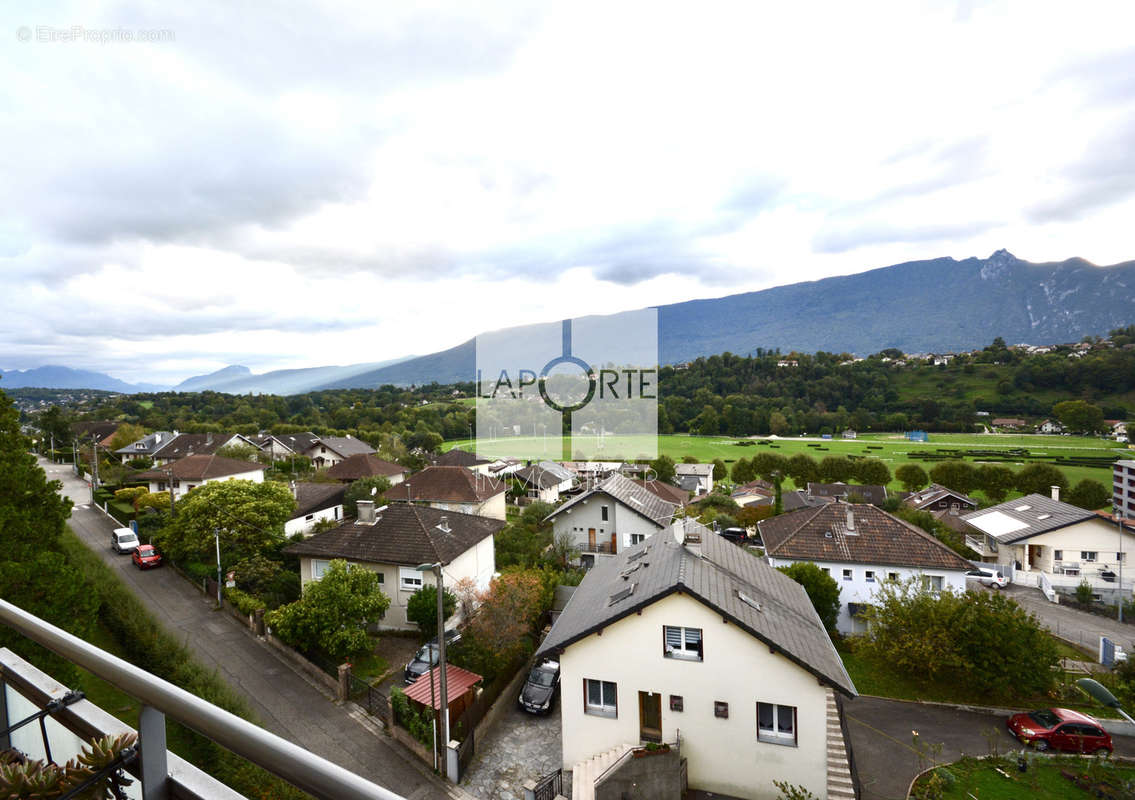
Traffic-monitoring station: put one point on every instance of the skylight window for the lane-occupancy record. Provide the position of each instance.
(622, 594)
(637, 554)
(1044, 516)
(1022, 508)
(635, 500)
(749, 601)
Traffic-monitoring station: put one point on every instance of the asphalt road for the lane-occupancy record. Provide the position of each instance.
(284, 701)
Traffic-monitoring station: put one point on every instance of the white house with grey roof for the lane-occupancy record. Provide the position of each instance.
(616, 514)
(545, 481)
(695, 478)
(689, 640)
(329, 450)
(1040, 536)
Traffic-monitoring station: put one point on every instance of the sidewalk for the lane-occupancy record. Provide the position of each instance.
(1071, 624)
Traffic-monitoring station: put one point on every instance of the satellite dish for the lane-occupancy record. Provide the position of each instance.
(373, 491)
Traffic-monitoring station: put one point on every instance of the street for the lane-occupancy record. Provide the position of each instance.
(283, 701)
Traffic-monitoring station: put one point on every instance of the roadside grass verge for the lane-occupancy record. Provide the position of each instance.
(1046, 778)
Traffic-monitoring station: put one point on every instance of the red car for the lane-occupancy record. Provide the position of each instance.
(146, 556)
(1061, 729)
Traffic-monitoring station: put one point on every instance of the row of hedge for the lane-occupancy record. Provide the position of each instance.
(147, 645)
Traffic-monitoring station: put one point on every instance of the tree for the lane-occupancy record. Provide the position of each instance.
(802, 468)
(836, 469)
(720, 471)
(333, 613)
(127, 434)
(770, 466)
(822, 590)
(249, 516)
(663, 467)
(421, 609)
(361, 490)
(564, 549)
(1089, 494)
(996, 481)
(690, 460)
(1079, 416)
(956, 475)
(1039, 479)
(500, 632)
(55, 422)
(872, 471)
(239, 451)
(913, 477)
(742, 471)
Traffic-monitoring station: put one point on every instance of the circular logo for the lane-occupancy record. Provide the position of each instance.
(565, 388)
(24, 34)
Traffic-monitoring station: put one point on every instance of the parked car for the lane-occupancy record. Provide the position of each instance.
(123, 540)
(735, 535)
(427, 657)
(539, 692)
(1060, 729)
(988, 576)
(145, 556)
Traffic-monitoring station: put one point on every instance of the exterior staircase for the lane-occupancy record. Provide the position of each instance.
(840, 784)
(585, 773)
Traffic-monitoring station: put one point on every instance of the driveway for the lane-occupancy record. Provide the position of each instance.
(521, 746)
(884, 749)
(284, 702)
(1072, 624)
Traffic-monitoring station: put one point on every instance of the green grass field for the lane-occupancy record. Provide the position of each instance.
(1047, 778)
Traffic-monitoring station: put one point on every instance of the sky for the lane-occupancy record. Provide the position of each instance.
(187, 186)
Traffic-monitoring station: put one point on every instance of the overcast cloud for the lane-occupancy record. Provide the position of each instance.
(351, 182)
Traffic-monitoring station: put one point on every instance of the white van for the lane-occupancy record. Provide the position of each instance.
(123, 540)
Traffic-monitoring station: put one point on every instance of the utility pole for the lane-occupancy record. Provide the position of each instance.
(1119, 522)
(217, 539)
(94, 467)
(53, 448)
(169, 474)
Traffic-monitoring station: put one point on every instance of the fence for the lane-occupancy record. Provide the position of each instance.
(370, 698)
(551, 785)
(465, 752)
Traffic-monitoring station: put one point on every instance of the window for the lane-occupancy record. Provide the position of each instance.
(409, 579)
(1088, 555)
(720, 709)
(638, 538)
(318, 568)
(675, 702)
(603, 513)
(681, 643)
(847, 574)
(1058, 555)
(932, 582)
(600, 698)
(892, 576)
(869, 575)
(309, 518)
(826, 570)
(776, 723)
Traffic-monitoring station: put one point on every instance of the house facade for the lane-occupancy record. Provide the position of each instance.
(367, 465)
(937, 499)
(618, 513)
(144, 447)
(286, 445)
(1123, 488)
(654, 642)
(186, 474)
(1050, 426)
(545, 481)
(329, 450)
(393, 540)
(315, 503)
(453, 489)
(695, 478)
(861, 547)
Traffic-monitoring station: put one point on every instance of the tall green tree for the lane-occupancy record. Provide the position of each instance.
(872, 471)
(663, 467)
(822, 590)
(361, 490)
(1079, 416)
(836, 469)
(956, 475)
(742, 471)
(1089, 494)
(249, 517)
(421, 609)
(720, 471)
(913, 477)
(996, 481)
(1040, 478)
(802, 468)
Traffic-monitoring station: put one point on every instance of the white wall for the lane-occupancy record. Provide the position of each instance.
(183, 486)
(588, 513)
(860, 590)
(493, 508)
(306, 523)
(724, 754)
(1096, 535)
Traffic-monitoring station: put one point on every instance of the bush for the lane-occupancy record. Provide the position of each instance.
(1084, 592)
(821, 587)
(418, 723)
(244, 602)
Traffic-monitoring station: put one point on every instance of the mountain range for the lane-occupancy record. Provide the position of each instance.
(55, 377)
(936, 305)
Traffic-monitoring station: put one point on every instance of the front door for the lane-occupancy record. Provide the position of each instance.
(591, 539)
(650, 716)
(614, 549)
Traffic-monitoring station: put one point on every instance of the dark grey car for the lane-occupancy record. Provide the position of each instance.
(427, 657)
(539, 692)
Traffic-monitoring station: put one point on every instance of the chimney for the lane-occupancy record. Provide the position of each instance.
(366, 512)
(1055, 493)
(443, 524)
(850, 519)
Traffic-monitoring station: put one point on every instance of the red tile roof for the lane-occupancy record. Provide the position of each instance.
(446, 484)
(457, 682)
(364, 465)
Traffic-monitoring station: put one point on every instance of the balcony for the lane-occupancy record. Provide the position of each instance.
(604, 548)
(981, 545)
(161, 774)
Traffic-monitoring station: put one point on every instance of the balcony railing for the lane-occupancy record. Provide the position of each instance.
(299, 767)
(598, 547)
(979, 544)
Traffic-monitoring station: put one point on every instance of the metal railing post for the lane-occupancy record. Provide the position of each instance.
(152, 737)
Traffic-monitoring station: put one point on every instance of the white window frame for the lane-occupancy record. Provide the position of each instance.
(928, 582)
(893, 576)
(869, 576)
(319, 568)
(409, 579)
(775, 735)
(690, 643)
(848, 574)
(603, 708)
(637, 538)
(1089, 556)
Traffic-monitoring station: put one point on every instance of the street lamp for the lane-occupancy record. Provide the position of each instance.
(217, 540)
(435, 568)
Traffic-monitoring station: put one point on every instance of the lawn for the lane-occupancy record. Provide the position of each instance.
(1046, 778)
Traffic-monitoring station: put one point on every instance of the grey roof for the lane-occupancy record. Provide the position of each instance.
(298, 443)
(701, 470)
(786, 621)
(1025, 517)
(343, 445)
(790, 501)
(543, 476)
(149, 443)
(630, 494)
(933, 493)
(312, 497)
(872, 493)
(186, 444)
(688, 483)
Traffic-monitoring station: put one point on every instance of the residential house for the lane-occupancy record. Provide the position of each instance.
(1123, 488)
(463, 458)
(758, 492)
(590, 473)
(189, 472)
(1041, 540)
(101, 432)
(327, 451)
(453, 489)
(870, 493)
(1010, 423)
(688, 639)
(181, 445)
(694, 478)
(285, 445)
(861, 546)
(795, 500)
(394, 539)
(367, 465)
(937, 499)
(1118, 429)
(788, 362)
(545, 481)
(1050, 426)
(849, 434)
(144, 447)
(315, 503)
(665, 491)
(616, 514)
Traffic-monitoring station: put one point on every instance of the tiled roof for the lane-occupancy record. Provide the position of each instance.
(1025, 517)
(666, 491)
(311, 497)
(792, 501)
(933, 493)
(701, 470)
(542, 477)
(150, 442)
(343, 445)
(631, 495)
(402, 534)
(875, 495)
(720, 577)
(459, 458)
(185, 444)
(298, 443)
(200, 467)
(99, 430)
(457, 682)
(446, 484)
(364, 465)
(876, 537)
